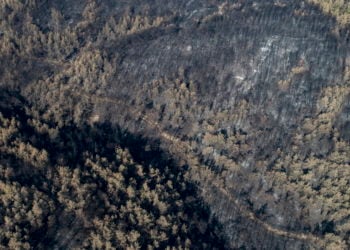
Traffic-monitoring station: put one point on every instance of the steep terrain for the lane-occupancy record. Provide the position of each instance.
(251, 96)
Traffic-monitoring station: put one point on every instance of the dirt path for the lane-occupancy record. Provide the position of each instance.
(184, 149)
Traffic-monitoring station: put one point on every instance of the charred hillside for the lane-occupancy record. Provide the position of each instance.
(251, 97)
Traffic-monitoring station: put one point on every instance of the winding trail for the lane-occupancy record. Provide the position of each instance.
(185, 150)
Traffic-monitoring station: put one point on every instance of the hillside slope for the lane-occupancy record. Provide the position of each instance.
(252, 96)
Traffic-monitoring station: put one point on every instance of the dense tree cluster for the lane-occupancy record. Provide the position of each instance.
(92, 187)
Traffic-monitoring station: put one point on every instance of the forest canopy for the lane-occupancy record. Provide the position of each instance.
(92, 187)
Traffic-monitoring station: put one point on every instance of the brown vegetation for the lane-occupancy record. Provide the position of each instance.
(81, 184)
